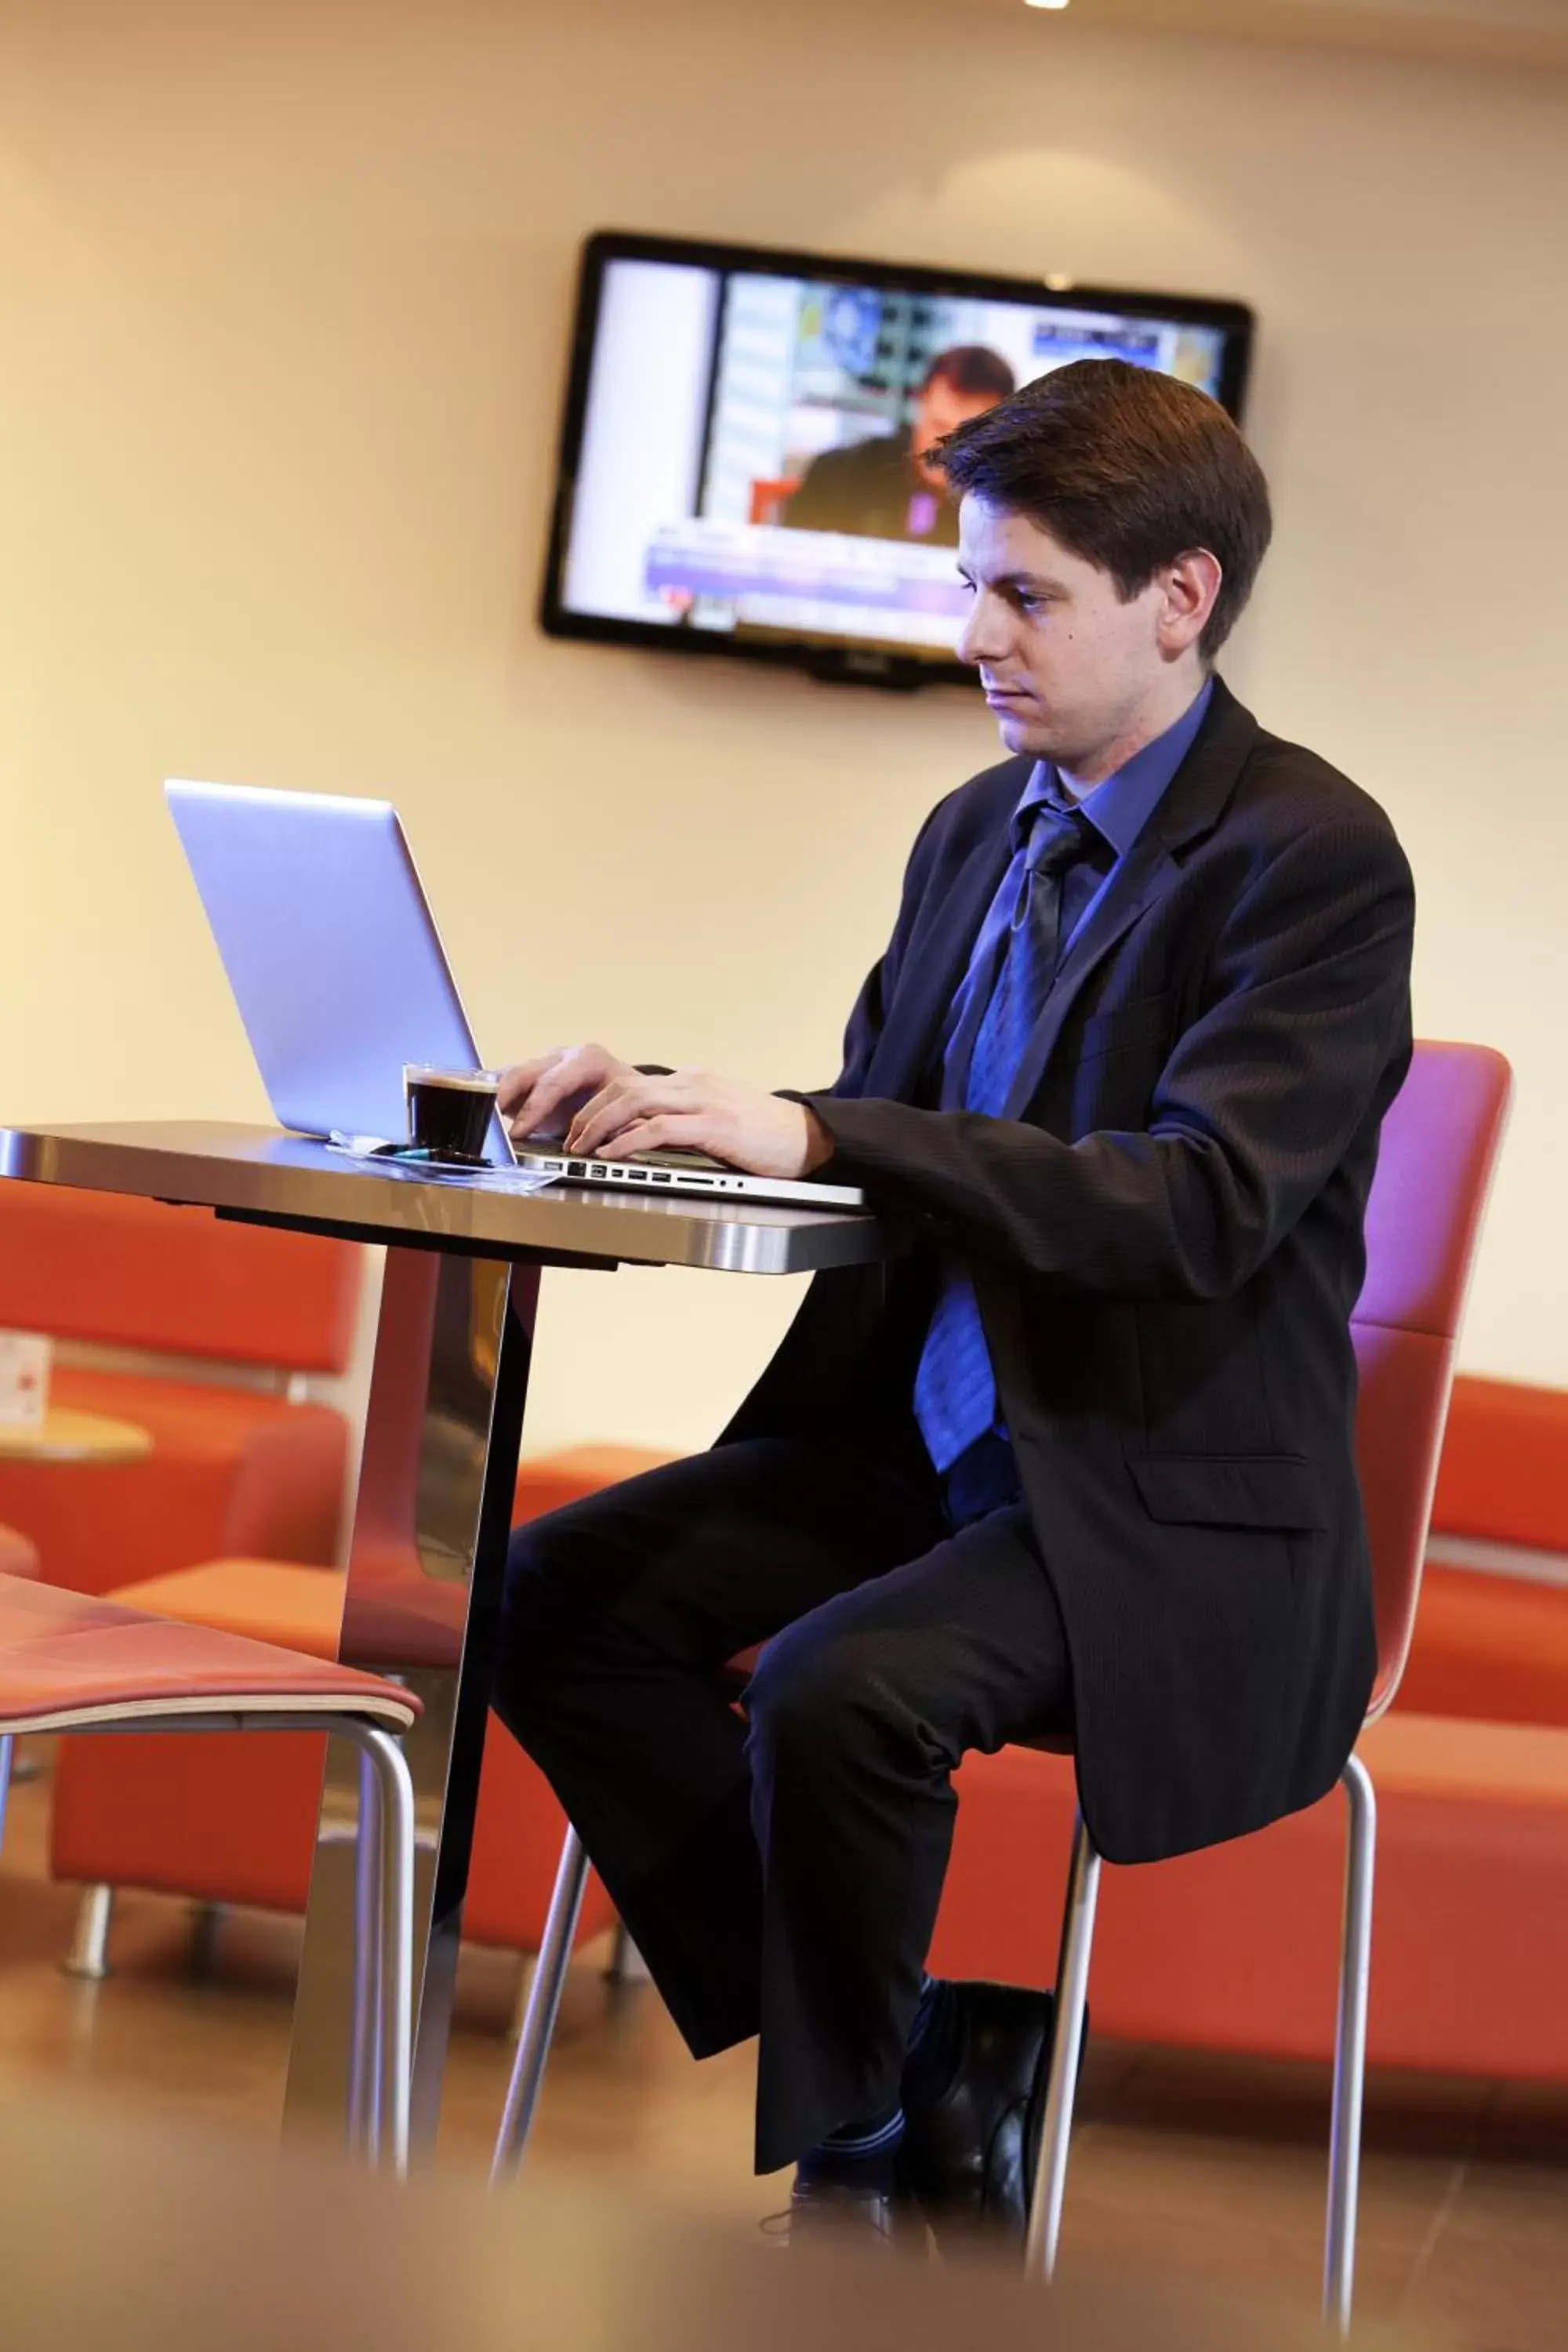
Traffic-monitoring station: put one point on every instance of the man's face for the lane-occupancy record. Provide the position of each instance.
(941, 410)
(1068, 668)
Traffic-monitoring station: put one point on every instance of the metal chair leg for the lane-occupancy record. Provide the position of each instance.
(89, 1954)
(364, 2119)
(207, 1928)
(1350, 2047)
(7, 1752)
(394, 1996)
(625, 1965)
(1067, 2041)
(543, 2003)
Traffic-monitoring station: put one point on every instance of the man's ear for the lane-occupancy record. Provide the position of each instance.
(1190, 587)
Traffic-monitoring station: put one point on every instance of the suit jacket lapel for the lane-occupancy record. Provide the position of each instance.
(1197, 798)
(934, 963)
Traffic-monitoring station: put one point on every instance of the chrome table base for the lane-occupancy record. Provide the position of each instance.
(422, 1603)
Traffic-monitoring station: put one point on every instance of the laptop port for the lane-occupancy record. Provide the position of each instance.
(659, 1176)
(576, 1167)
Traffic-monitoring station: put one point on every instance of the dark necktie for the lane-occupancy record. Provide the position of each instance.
(955, 1390)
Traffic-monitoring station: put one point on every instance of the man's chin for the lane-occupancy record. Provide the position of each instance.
(1019, 729)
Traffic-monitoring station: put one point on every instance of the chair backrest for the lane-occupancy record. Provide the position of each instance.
(129, 1273)
(1439, 1147)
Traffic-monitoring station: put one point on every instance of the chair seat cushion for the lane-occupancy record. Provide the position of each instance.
(67, 1658)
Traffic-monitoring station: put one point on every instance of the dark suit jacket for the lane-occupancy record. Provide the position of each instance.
(1165, 1237)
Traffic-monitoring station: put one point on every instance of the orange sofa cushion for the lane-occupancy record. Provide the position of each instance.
(18, 1555)
(1501, 1474)
(230, 1471)
(545, 1482)
(1487, 1648)
(138, 1274)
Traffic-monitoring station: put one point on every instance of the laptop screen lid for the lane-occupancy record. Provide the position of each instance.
(331, 950)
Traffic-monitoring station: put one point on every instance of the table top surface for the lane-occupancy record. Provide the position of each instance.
(260, 1171)
(64, 1434)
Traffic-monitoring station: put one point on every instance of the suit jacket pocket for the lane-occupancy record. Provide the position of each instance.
(1128, 1024)
(1230, 1490)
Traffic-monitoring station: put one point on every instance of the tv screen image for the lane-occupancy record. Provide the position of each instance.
(743, 463)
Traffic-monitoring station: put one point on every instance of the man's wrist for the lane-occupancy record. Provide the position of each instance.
(820, 1143)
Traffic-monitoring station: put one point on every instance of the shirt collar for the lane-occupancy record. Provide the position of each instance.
(1121, 807)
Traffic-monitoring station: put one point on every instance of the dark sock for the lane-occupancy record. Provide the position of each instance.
(931, 2060)
(858, 2157)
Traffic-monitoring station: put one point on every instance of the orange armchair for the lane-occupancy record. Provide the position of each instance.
(237, 1316)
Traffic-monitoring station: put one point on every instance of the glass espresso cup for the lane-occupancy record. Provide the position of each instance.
(449, 1111)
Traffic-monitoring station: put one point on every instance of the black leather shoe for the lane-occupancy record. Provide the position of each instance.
(831, 2215)
(968, 2160)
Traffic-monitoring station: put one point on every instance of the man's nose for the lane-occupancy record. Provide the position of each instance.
(982, 637)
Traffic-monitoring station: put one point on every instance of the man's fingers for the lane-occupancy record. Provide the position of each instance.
(664, 1130)
(623, 1101)
(606, 1113)
(575, 1075)
(519, 1080)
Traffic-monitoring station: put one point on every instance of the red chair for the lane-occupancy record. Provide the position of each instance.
(71, 1663)
(1439, 1147)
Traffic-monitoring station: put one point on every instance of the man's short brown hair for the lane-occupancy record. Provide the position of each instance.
(1129, 469)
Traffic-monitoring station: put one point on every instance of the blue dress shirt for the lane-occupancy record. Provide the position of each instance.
(955, 1391)
(1118, 809)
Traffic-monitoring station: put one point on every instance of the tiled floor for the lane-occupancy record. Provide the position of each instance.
(1211, 2169)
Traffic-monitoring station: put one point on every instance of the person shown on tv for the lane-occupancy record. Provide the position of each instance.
(887, 487)
(1079, 1459)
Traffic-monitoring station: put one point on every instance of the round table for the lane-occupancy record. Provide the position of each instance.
(66, 1435)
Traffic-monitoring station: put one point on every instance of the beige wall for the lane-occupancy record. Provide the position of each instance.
(283, 299)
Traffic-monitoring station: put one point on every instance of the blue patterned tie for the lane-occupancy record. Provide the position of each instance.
(955, 1390)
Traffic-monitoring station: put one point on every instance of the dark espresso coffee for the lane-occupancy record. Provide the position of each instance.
(449, 1111)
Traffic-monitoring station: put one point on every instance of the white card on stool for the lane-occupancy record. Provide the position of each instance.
(23, 1376)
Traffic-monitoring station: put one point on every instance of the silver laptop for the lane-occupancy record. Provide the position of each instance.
(340, 976)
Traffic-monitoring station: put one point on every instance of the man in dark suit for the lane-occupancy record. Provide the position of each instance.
(1083, 1459)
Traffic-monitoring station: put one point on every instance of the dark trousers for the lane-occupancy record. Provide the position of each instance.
(779, 1868)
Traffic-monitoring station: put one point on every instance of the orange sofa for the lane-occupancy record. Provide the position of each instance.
(235, 1465)
(1235, 1948)
(1491, 1639)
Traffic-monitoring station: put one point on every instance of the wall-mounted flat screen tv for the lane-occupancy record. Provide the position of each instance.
(741, 462)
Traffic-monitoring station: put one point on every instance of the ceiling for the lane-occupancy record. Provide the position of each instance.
(1523, 32)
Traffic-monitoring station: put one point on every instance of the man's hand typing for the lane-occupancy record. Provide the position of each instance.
(614, 1111)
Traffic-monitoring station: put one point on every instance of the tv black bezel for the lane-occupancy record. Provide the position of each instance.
(846, 663)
